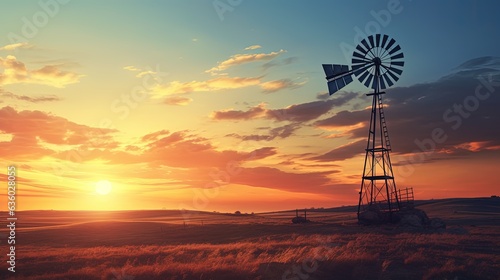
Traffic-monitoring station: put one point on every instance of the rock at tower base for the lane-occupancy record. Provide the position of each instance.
(409, 218)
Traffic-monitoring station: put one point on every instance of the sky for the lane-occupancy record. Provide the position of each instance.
(223, 105)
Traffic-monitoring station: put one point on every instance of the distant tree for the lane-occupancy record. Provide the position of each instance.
(237, 213)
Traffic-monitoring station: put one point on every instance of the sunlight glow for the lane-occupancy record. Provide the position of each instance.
(103, 187)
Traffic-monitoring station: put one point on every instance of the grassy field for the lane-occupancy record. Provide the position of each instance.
(167, 244)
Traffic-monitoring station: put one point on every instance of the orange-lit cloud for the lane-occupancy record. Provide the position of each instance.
(15, 72)
(473, 146)
(231, 114)
(276, 85)
(177, 100)
(32, 132)
(239, 59)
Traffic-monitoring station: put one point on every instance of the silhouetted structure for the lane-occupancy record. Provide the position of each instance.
(377, 63)
(299, 219)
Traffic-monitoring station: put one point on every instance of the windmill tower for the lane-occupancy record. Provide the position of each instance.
(377, 63)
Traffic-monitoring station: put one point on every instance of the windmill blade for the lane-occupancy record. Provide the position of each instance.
(398, 56)
(395, 49)
(372, 43)
(384, 40)
(358, 69)
(363, 76)
(393, 76)
(398, 63)
(366, 45)
(387, 79)
(358, 55)
(359, 61)
(398, 71)
(375, 82)
(361, 50)
(369, 80)
(382, 83)
(391, 42)
(377, 40)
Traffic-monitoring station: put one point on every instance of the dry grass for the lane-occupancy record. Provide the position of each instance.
(254, 248)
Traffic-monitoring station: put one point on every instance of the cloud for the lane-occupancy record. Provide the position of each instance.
(283, 62)
(343, 152)
(177, 100)
(219, 83)
(185, 150)
(273, 178)
(144, 73)
(456, 110)
(38, 99)
(230, 114)
(35, 133)
(16, 46)
(131, 68)
(239, 59)
(295, 113)
(276, 85)
(253, 47)
(15, 71)
(277, 132)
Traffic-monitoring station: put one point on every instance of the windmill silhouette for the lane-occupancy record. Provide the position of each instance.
(377, 63)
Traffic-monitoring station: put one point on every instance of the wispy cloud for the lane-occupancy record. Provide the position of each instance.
(277, 132)
(239, 59)
(178, 100)
(283, 62)
(253, 47)
(38, 99)
(131, 68)
(219, 83)
(15, 46)
(276, 85)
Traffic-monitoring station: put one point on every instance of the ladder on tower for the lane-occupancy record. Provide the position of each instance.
(384, 125)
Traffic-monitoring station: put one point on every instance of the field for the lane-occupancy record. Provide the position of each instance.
(168, 244)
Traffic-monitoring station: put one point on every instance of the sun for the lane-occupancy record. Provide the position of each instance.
(103, 187)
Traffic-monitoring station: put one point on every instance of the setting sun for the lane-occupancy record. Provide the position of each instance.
(103, 187)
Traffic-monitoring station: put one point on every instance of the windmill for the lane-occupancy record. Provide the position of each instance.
(377, 63)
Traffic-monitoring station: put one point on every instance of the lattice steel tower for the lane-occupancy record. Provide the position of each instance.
(377, 63)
